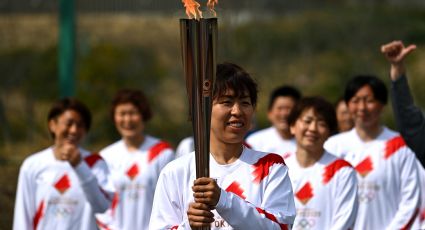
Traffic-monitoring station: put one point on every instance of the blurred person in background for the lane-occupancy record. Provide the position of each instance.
(247, 189)
(409, 118)
(325, 186)
(387, 175)
(277, 138)
(135, 162)
(187, 145)
(63, 186)
(345, 122)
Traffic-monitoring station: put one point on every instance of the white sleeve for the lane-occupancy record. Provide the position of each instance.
(276, 211)
(25, 200)
(168, 211)
(410, 194)
(186, 146)
(346, 200)
(91, 182)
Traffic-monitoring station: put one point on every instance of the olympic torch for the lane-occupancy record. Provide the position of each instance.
(198, 42)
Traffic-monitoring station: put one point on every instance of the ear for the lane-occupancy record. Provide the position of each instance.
(292, 129)
(269, 115)
(52, 125)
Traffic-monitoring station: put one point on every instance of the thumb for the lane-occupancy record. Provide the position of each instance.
(408, 50)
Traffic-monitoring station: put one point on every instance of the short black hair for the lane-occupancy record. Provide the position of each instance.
(378, 87)
(136, 98)
(232, 76)
(284, 91)
(67, 103)
(320, 106)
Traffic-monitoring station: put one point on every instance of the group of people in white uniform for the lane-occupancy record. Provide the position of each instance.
(301, 173)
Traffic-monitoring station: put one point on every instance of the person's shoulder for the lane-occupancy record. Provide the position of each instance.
(37, 159)
(180, 164)
(260, 134)
(256, 157)
(338, 138)
(112, 149)
(335, 165)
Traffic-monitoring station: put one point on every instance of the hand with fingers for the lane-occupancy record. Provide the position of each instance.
(395, 52)
(206, 194)
(69, 152)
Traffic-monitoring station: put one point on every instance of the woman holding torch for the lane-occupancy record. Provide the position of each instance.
(247, 189)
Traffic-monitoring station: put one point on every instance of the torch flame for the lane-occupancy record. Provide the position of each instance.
(192, 9)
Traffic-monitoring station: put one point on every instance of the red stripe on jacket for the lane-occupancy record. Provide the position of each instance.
(114, 203)
(235, 188)
(333, 168)
(38, 215)
(393, 145)
(262, 167)
(92, 159)
(409, 224)
(272, 218)
(157, 149)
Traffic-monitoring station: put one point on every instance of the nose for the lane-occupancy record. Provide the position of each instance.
(73, 128)
(312, 126)
(362, 104)
(236, 109)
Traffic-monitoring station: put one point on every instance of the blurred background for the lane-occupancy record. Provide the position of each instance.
(315, 45)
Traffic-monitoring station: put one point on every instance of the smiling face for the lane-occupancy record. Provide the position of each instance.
(310, 131)
(345, 122)
(279, 112)
(231, 117)
(128, 121)
(67, 127)
(365, 109)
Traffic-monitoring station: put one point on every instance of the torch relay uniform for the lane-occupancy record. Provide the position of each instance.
(134, 175)
(51, 194)
(325, 193)
(269, 140)
(256, 193)
(389, 193)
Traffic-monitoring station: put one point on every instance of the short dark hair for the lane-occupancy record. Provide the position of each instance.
(232, 76)
(284, 91)
(378, 87)
(67, 103)
(320, 106)
(135, 97)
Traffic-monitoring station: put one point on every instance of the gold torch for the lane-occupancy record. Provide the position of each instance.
(198, 43)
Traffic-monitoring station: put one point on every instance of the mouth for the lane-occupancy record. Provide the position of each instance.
(235, 124)
(72, 139)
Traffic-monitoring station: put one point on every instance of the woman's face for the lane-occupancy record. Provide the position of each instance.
(364, 108)
(345, 122)
(310, 131)
(68, 127)
(231, 117)
(279, 112)
(128, 121)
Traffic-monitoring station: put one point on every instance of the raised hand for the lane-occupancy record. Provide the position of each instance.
(395, 52)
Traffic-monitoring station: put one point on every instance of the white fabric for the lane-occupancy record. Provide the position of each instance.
(187, 145)
(268, 140)
(387, 176)
(256, 183)
(325, 193)
(51, 194)
(134, 175)
(422, 186)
